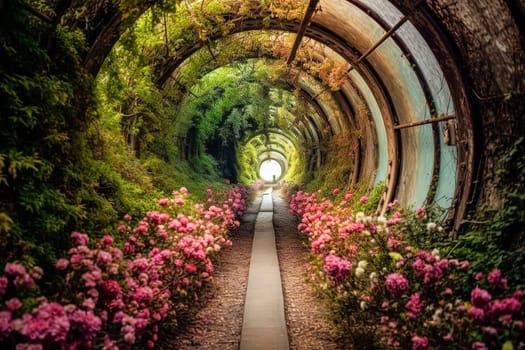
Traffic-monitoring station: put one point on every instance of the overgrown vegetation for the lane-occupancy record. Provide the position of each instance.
(386, 292)
(50, 181)
(495, 237)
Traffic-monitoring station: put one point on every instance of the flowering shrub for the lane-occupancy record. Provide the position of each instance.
(116, 297)
(386, 293)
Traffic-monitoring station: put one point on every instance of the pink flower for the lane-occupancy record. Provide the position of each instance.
(143, 295)
(107, 241)
(479, 346)
(396, 284)
(518, 294)
(419, 343)
(507, 306)
(50, 324)
(80, 238)
(13, 304)
(129, 338)
(495, 279)
(348, 196)
(480, 297)
(421, 211)
(363, 199)
(338, 268)
(448, 338)
(4, 282)
(163, 202)
(414, 305)
(127, 217)
(476, 313)
(104, 258)
(190, 268)
(89, 303)
(392, 204)
(14, 269)
(86, 322)
(5, 324)
(490, 331)
(336, 191)
(183, 190)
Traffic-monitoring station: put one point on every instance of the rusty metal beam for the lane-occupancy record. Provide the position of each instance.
(302, 30)
(385, 36)
(426, 121)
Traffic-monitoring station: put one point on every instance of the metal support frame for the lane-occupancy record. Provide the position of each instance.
(385, 36)
(302, 30)
(441, 118)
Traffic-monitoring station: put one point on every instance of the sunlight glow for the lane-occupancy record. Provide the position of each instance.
(270, 170)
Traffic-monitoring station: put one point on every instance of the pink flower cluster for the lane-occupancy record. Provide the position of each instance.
(396, 284)
(432, 268)
(488, 310)
(116, 298)
(338, 268)
(413, 292)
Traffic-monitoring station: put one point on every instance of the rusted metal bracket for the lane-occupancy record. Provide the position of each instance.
(441, 118)
(302, 30)
(385, 36)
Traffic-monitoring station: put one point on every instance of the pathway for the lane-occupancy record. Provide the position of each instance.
(225, 322)
(264, 325)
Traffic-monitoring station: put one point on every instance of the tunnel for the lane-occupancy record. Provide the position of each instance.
(107, 105)
(402, 102)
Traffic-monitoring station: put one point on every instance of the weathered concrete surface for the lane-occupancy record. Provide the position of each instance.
(264, 324)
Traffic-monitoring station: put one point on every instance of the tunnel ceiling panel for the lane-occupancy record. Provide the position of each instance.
(381, 133)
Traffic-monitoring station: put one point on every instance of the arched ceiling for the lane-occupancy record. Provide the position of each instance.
(398, 84)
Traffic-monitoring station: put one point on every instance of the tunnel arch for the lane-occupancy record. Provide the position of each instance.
(435, 146)
(444, 46)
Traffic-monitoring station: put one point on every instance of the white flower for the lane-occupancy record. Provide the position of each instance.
(373, 275)
(436, 318)
(431, 226)
(359, 271)
(381, 220)
(362, 264)
(362, 305)
(359, 216)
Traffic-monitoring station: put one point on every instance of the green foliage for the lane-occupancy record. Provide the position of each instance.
(37, 84)
(495, 237)
(228, 105)
(248, 162)
(336, 171)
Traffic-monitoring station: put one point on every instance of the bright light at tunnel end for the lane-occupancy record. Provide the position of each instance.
(270, 170)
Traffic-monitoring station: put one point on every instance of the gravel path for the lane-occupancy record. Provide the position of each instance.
(217, 326)
(308, 326)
